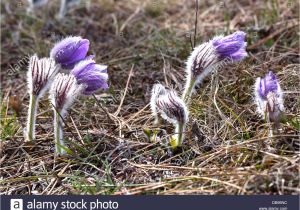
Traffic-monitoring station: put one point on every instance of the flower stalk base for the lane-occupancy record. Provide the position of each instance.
(30, 130)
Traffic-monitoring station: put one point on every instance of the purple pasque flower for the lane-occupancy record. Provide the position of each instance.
(269, 97)
(232, 46)
(268, 84)
(93, 75)
(70, 51)
(212, 55)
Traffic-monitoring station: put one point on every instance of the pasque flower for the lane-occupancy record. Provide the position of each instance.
(70, 51)
(171, 108)
(209, 55)
(269, 97)
(40, 75)
(86, 77)
(93, 75)
(63, 92)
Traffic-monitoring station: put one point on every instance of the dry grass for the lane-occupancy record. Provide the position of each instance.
(225, 150)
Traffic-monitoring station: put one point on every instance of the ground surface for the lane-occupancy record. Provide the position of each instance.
(143, 42)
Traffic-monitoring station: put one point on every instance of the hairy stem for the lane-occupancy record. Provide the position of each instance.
(58, 132)
(268, 124)
(188, 89)
(30, 130)
(179, 130)
(177, 139)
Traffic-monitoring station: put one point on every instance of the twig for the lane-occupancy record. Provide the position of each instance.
(106, 112)
(80, 137)
(191, 42)
(262, 41)
(126, 88)
(129, 19)
(196, 23)
(164, 69)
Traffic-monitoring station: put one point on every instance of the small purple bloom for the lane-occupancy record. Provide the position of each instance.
(232, 46)
(269, 97)
(93, 75)
(268, 84)
(70, 51)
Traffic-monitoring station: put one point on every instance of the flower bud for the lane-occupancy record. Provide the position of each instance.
(269, 97)
(64, 91)
(40, 75)
(172, 108)
(209, 55)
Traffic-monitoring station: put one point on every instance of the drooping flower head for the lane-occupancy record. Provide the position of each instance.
(208, 54)
(269, 97)
(64, 91)
(217, 52)
(70, 51)
(93, 75)
(201, 60)
(40, 75)
(172, 108)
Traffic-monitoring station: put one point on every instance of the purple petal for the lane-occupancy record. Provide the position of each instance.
(101, 68)
(228, 48)
(232, 46)
(82, 67)
(239, 55)
(95, 83)
(236, 36)
(69, 51)
(268, 84)
(93, 75)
